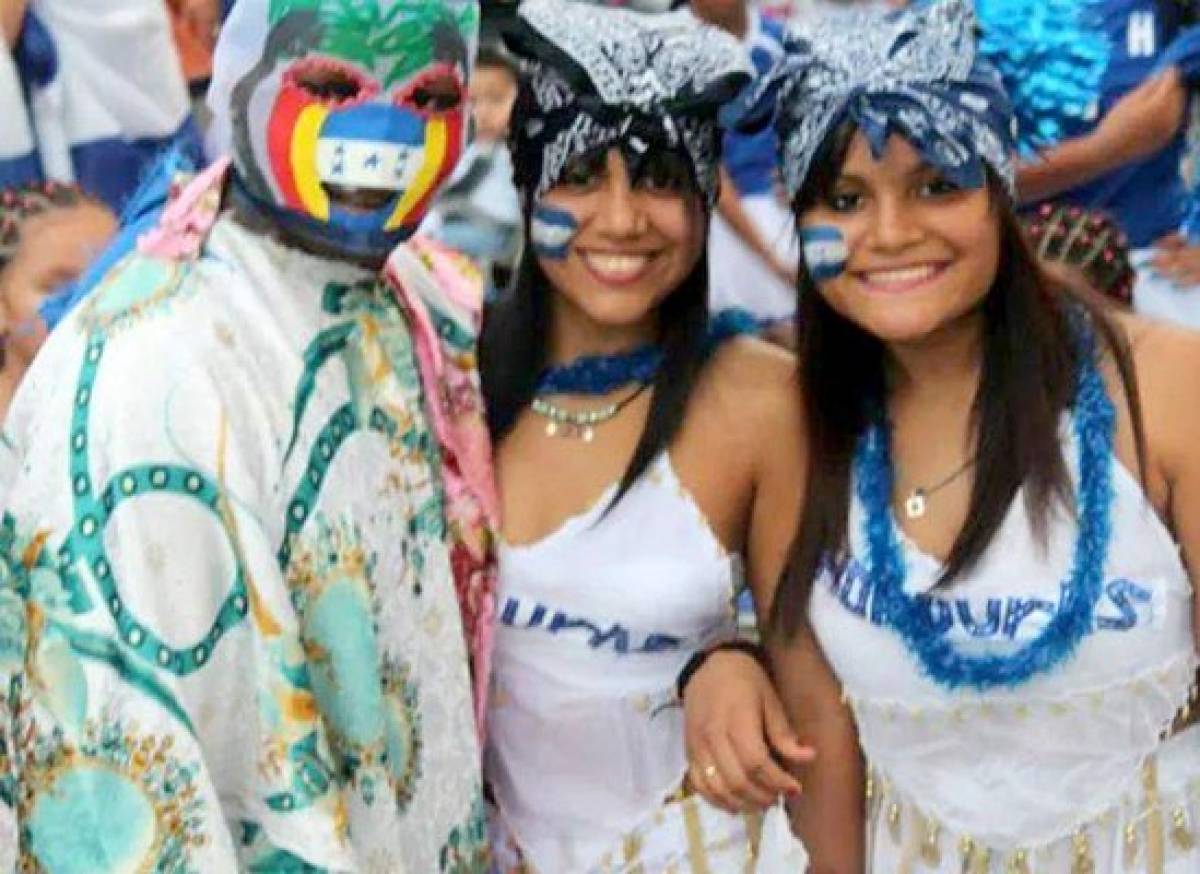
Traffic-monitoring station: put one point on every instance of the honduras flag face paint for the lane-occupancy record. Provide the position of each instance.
(551, 231)
(824, 251)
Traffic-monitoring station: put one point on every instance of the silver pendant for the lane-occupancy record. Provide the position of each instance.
(552, 429)
(588, 434)
(915, 504)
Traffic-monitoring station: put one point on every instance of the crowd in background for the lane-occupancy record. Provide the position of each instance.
(82, 110)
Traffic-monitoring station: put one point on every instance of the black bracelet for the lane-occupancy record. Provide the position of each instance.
(749, 647)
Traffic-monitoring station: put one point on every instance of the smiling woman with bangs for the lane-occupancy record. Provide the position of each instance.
(640, 465)
(987, 627)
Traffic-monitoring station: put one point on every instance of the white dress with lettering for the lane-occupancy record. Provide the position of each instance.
(585, 732)
(1069, 772)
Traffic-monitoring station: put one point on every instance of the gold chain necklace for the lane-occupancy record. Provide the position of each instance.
(581, 425)
(917, 502)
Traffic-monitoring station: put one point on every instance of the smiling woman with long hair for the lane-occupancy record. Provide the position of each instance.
(638, 465)
(986, 602)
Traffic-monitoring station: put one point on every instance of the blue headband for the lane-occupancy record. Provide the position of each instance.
(914, 72)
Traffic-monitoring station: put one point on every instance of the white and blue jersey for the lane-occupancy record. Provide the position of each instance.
(1148, 197)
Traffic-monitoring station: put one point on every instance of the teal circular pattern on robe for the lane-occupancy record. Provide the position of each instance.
(339, 638)
(92, 818)
(137, 286)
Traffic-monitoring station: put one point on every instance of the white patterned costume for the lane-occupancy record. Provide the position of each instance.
(229, 632)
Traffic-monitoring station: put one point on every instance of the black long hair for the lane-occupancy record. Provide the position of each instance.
(1029, 372)
(512, 356)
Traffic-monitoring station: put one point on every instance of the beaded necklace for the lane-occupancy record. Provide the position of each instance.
(911, 617)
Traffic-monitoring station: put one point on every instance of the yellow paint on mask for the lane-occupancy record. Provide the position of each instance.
(435, 154)
(304, 161)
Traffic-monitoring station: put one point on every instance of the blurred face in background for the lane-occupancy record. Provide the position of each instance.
(56, 247)
(493, 90)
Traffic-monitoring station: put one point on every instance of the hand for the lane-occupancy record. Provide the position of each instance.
(1146, 119)
(737, 733)
(1177, 261)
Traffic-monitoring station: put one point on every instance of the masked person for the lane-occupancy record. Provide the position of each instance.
(253, 479)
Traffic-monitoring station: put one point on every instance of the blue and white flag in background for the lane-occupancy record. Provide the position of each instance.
(18, 155)
(101, 87)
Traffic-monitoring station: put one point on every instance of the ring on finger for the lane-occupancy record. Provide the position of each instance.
(709, 771)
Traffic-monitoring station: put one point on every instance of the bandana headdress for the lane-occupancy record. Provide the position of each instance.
(915, 73)
(594, 78)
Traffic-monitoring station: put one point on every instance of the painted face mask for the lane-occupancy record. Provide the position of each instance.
(343, 117)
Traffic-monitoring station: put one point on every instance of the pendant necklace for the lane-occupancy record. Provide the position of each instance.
(581, 425)
(917, 502)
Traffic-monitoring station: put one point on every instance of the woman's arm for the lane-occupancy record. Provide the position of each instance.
(828, 812)
(1168, 360)
(739, 740)
(1138, 125)
(828, 815)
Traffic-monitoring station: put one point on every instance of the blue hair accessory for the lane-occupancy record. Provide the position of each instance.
(1052, 56)
(914, 72)
(602, 374)
(551, 231)
(911, 617)
(824, 249)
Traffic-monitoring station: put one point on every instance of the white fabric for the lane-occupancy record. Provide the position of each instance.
(1158, 297)
(238, 49)
(738, 277)
(119, 77)
(585, 741)
(16, 135)
(1024, 768)
(353, 639)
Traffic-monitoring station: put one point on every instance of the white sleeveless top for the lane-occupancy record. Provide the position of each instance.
(1067, 772)
(596, 621)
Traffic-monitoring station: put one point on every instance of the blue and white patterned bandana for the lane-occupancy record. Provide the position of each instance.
(595, 77)
(914, 72)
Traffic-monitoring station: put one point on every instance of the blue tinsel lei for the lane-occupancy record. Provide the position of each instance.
(911, 616)
(1052, 55)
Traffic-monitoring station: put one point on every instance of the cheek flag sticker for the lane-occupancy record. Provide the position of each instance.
(551, 231)
(824, 251)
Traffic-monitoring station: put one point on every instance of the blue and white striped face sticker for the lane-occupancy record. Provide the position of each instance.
(824, 251)
(551, 231)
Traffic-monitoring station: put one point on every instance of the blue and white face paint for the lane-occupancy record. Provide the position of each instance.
(825, 251)
(551, 231)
